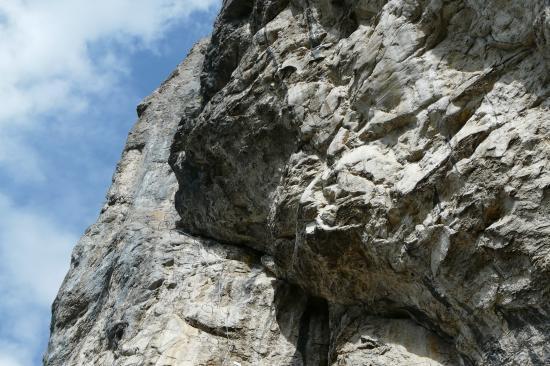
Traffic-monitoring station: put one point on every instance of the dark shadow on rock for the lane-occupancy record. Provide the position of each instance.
(304, 322)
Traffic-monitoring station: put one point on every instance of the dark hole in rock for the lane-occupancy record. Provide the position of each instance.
(348, 22)
(237, 9)
(141, 108)
(115, 334)
(168, 262)
(286, 71)
(314, 333)
(156, 284)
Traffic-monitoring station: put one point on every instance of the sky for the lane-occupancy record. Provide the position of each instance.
(71, 75)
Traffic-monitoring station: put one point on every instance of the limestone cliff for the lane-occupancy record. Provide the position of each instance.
(330, 182)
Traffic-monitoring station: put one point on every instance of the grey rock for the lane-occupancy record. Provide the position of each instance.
(142, 292)
(330, 183)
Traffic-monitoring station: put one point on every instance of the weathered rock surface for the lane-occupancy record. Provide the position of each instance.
(358, 183)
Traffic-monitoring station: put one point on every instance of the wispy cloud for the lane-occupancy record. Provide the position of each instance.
(55, 55)
(6, 359)
(35, 254)
(34, 251)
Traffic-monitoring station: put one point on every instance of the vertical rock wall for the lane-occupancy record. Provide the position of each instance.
(358, 183)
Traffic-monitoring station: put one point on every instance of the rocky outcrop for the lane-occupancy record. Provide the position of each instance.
(142, 292)
(358, 183)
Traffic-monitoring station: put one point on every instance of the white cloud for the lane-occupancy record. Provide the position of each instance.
(20, 162)
(6, 359)
(35, 253)
(57, 54)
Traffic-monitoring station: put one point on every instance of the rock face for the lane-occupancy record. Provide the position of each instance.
(358, 182)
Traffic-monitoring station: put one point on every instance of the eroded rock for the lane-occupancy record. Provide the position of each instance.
(358, 182)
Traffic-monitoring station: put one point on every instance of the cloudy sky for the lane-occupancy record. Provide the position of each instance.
(71, 74)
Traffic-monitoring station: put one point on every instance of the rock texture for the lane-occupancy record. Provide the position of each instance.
(358, 183)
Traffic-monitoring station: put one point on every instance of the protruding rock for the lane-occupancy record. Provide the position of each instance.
(358, 182)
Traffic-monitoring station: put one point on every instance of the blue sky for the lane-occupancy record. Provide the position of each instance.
(71, 75)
